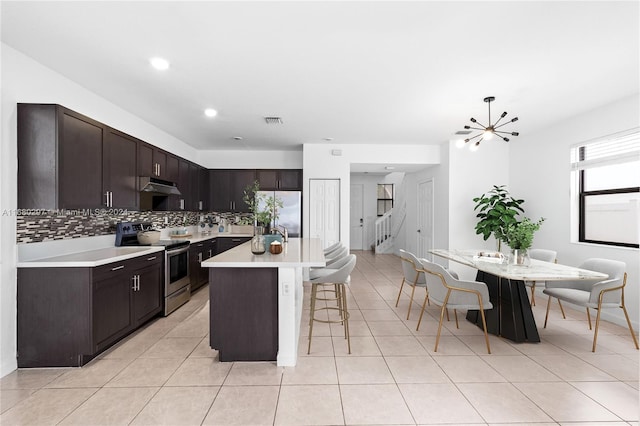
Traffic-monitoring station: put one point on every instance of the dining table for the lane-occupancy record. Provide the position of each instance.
(511, 316)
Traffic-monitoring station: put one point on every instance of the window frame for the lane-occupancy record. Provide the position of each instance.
(582, 197)
(393, 190)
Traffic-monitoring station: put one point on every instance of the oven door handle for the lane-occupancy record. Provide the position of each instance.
(179, 250)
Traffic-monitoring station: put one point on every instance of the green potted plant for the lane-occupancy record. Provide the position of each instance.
(497, 209)
(519, 236)
(252, 199)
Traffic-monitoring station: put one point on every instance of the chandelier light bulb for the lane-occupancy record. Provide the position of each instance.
(488, 135)
(460, 143)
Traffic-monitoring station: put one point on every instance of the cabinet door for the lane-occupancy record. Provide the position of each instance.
(268, 179)
(290, 180)
(196, 255)
(181, 202)
(220, 190)
(241, 179)
(194, 188)
(120, 161)
(147, 298)
(172, 171)
(203, 189)
(159, 163)
(111, 308)
(145, 160)
(80, 153)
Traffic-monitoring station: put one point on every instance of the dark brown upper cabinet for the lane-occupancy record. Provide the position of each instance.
(157, 163)
(280, 180)
(120, 170)
(60, 159)
(227, 189)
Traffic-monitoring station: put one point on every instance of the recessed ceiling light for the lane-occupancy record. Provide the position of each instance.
(238, 138)
(160, 64)
(389, 168)
(327, 139)
(210, 112)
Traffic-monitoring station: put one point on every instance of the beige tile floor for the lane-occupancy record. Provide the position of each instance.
(167, 374)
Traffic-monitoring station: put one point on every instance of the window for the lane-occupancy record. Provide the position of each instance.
(608, 178)
(385, 198)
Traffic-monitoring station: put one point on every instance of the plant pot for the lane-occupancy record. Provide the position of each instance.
(519, 257)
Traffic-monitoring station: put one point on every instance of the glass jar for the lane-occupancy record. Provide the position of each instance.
(257, 242)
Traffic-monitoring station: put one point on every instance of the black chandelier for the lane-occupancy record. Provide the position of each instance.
(492, 129)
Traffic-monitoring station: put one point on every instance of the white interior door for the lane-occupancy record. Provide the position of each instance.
(356, 217)
(324, 210)
(425, 219)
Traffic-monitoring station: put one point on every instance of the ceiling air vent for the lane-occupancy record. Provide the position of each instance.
(463, 132)
(273, 120)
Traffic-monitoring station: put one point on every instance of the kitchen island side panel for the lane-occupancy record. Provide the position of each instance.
(244, 313)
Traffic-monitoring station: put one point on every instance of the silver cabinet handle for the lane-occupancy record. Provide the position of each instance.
(133, 278)
(200, 257)
(138, 282)
(181, 203)
(159, 170)
(117, 268)
(199, 205)
(210, 253)
(151, 258)
(106, 198)
(110, 198)
(200, 245)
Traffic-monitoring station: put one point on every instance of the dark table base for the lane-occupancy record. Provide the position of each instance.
(511, 316)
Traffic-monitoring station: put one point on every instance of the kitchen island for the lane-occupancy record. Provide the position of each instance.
(256, 301)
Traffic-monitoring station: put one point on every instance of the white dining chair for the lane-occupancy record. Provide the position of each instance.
(448, 292)
(545, 256)
(600, 295)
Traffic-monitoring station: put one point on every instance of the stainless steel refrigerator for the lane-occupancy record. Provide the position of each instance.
(290, 215)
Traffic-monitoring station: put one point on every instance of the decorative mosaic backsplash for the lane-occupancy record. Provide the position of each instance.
(35, 228)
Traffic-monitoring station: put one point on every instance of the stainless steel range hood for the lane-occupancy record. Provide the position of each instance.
(158, 186)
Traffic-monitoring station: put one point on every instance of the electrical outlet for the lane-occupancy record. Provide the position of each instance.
(285, 289)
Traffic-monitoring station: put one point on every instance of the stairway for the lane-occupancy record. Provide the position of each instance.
(387, 228)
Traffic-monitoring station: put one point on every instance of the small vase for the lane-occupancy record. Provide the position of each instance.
(519, 257)
(257, 242)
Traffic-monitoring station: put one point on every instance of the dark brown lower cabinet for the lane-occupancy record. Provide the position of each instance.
(66, 316)
(244, 313)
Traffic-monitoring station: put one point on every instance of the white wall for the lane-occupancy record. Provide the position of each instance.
(540, 175)
(319, 163)
(250, 159)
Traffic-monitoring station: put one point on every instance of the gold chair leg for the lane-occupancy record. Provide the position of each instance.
(413, 290)
(400, 292)
(595, 333)
(444, 308)
(533, 293)
(626, 315)
(447, 315)
(546, 317)
(455, 314)
(426, 300)
(314, 289)
(484, 324)
(562, 309)
(345, 313)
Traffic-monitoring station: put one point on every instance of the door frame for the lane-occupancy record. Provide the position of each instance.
(362, 237)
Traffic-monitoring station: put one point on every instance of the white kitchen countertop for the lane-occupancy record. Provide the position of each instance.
(298, 252)
(91, 258)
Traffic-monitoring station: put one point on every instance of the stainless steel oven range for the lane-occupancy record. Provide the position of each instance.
(177, 288)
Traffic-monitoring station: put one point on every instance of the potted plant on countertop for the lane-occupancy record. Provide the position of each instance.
(519, 236)
(497, 209)
(265, 209)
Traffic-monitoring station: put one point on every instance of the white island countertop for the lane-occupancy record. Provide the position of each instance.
(297, 252)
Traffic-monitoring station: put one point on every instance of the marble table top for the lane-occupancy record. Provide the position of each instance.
(536, 271)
